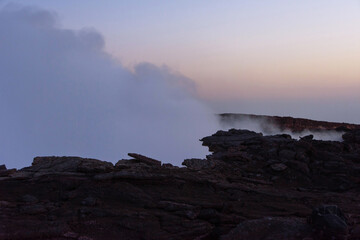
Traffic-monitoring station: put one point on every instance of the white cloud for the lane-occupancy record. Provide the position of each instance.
(61, 94)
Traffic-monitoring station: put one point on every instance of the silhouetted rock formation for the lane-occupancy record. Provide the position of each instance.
(250, 187)
(288, 123)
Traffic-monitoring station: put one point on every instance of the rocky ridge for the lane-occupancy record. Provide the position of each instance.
(287, 123)
(250, 187)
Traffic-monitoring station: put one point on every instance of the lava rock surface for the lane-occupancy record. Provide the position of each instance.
(250, 187)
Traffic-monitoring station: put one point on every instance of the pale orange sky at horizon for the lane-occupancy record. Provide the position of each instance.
(233, 50)
(312, 52)
(271, 68)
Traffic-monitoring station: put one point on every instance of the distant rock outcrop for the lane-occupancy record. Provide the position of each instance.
(288, 123)
(250, 187)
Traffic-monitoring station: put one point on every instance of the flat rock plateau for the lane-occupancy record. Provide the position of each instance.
(251, 186)
(286, 123)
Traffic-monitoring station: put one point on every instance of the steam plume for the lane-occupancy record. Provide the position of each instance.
(61, 94)
(268, 128)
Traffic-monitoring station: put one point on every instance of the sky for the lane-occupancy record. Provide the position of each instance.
(238, 52)
(103, 78)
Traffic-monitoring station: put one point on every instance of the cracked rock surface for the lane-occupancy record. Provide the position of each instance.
(250, 187)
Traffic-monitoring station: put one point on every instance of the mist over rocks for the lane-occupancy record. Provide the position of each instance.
(296, 127)
(62, 94)
(251, 186)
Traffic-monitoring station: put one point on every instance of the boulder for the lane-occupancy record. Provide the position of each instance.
(144, 159)
(329, 221)
(307, 137)
(68, 164)
(169, 166)
(29, 199)
(278, 167)
(198, 164)
(352, 136)
(6, 172)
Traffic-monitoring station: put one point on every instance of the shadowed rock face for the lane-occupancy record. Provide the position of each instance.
(325, 165)
(250, 187)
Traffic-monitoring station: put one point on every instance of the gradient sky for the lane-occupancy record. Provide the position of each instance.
(245, 56)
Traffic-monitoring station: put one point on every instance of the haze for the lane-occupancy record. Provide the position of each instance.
(93, 63)
(234, 50)
(61, 94)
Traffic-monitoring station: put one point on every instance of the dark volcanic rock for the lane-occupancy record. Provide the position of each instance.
(329, 221)
(289, 123)
(250, 187)
(29, 199)
(308, 137)
(57, 165)
(352, 137)
(4, 172)
(318, 164)
(69, 164)
(144, 159)
(198, 164)
(269, 228)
